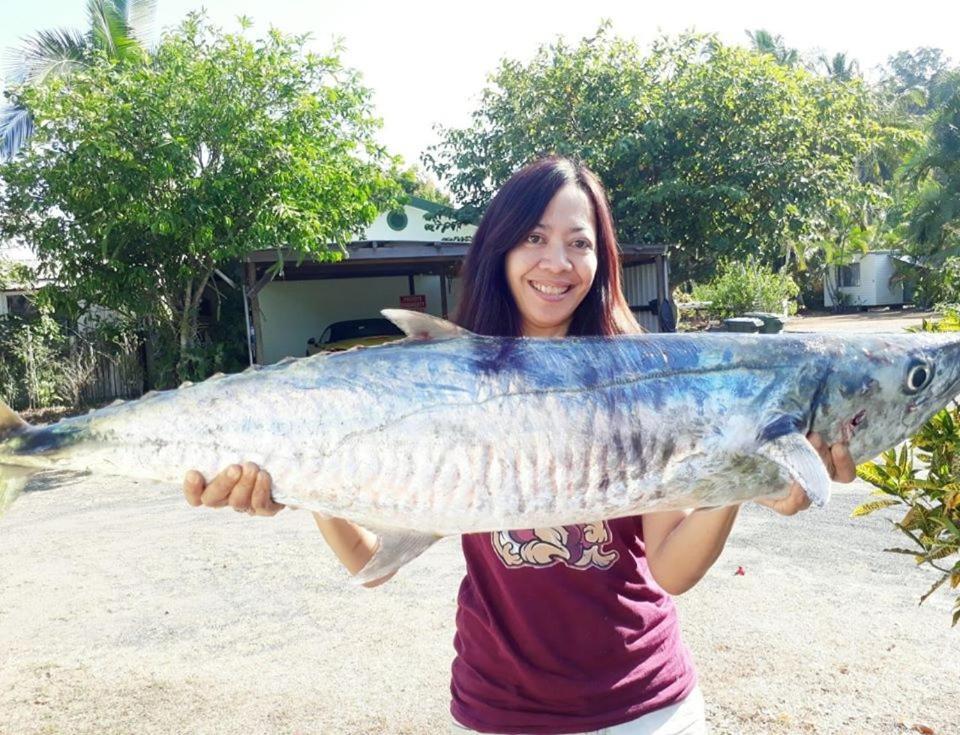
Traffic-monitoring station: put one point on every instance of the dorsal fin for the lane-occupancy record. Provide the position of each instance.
(417, 325)
(9, 420)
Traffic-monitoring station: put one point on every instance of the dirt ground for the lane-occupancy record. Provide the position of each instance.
(122, 610)
(878, 320)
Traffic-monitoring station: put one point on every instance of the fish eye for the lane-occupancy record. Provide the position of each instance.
(919, 375)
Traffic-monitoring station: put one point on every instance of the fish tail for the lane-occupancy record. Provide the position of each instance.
(12, 479)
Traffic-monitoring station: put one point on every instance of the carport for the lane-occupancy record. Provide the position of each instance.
(305, 296)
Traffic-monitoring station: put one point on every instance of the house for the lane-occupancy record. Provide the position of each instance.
(14, 296)
(398, 262)
(868, 280)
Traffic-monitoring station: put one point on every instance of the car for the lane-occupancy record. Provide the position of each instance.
(343, 335)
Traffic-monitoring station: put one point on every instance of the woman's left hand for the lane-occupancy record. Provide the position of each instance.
(840, 466)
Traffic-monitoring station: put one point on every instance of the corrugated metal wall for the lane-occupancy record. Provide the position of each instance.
(640, 287)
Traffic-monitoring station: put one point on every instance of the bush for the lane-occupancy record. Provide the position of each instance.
(743, 286)
(31, 349)
(45, 363)
(930, 492)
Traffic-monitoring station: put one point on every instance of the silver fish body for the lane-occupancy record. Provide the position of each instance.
(460, 433)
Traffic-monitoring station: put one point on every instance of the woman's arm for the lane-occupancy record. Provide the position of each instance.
(682, 545)
(246, 489)
(354, 545)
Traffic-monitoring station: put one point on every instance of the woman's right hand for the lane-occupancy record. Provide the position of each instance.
(245, 488)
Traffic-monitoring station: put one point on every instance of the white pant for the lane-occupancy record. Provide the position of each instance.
(686, 717)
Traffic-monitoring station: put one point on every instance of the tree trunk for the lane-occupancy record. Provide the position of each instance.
(185, 332)
(188, 322)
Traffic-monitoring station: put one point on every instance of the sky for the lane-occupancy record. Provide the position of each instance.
(428, 61)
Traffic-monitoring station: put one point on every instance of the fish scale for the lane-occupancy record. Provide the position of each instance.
(460, 433)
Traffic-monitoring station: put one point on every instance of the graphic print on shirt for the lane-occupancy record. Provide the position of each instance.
(578, 547)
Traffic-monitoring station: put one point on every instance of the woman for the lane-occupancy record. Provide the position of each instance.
(572, 629)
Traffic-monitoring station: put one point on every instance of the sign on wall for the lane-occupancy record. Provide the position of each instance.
(414, 302)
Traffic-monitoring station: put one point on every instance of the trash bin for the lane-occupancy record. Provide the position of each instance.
(772, 323)
(742, 324)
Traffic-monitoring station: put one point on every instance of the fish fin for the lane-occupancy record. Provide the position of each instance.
(800, 460)
(417, 325)
(12, 481)
(10, 421)
(395, 547)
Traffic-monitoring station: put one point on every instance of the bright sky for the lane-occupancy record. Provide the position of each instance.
(427, 60)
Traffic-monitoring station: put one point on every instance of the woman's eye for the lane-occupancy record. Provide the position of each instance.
(534, 238)
(583, 245)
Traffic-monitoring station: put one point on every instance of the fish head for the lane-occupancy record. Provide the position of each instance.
(879, 391)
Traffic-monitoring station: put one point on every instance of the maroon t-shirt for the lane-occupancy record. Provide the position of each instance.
(562, 630)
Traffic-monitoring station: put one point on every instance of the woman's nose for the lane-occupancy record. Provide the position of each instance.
(555, 258)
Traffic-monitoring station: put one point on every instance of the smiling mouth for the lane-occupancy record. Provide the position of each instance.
(550, 290)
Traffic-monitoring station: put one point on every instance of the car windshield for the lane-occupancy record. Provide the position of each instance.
(356, 328)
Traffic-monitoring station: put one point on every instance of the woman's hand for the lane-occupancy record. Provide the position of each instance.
(840, 466)
(245, 488)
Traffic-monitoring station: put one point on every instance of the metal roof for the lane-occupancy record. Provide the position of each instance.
(415, 251)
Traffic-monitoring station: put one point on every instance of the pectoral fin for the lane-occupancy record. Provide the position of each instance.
(395, 548)
(802, 463)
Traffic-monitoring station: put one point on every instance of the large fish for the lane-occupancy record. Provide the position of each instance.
(448, 432)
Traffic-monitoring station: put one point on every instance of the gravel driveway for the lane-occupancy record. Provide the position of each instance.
(122, 610)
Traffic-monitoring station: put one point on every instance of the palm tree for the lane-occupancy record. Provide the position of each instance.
(765, 42)
(839, 68)
(121, 29)
(935, 172)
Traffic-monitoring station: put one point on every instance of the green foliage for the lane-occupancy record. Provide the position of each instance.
(922, 478)
(31, 349)
(417, 184)
(145, 178)
(117, 29)
(746, 285)
(930, 207)
(720, 150)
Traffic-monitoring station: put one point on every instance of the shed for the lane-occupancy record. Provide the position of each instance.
(866, 281)
(15, 297)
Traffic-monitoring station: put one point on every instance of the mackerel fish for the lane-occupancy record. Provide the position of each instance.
(447, 432)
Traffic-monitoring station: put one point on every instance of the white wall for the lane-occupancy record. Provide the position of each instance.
(884, 270)
(291, 312)
(876, 270)
(416, 229)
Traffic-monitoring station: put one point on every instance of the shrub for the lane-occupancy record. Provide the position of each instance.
(749, 285)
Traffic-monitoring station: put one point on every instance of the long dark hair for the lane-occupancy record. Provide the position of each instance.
(486, 304)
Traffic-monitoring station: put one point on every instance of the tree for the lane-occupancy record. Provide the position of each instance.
(765, 42)
(911, 75)
(719, 150)
(144, 178)
(839, 67)
(118, 29)
(417, 184)
(932, 217)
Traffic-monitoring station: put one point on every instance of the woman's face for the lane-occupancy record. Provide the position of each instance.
(551, 271)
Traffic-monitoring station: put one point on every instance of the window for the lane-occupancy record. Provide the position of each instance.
(19, 305)
(848, 276)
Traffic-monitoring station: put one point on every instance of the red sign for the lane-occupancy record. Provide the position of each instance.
(414, 302)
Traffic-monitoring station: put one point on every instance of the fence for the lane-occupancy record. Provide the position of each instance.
(115, 376)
